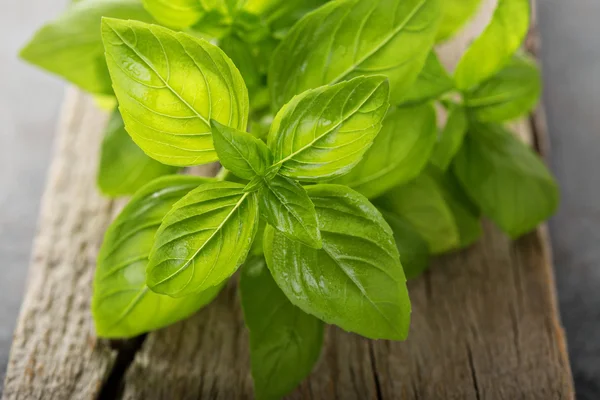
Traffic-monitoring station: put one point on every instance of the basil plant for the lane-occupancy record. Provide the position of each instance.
(349, 156)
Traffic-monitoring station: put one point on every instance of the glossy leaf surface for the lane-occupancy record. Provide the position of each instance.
(285, 342)
(513, 92)
(356, 280)
(71, 46)
(203, 239)
(349, 38)
(491, 51)
(122, 304)
(240, 152)
(324, 132)
(451, 138)
(286, 206)
(431, 83)
(455, 13)
(506, 179)
(169, 86)
(399, 153)
(413, 249)
(124, 167)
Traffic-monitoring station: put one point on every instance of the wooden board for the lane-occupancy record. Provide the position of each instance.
(54, 354)
(485, 322)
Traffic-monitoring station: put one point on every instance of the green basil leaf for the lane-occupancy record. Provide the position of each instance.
(257, 245)
(122, 305)
(279, 15)
(229, 7)
(451, 139)
(514, 91)
(203, 239)
(422, 204)
(467, 215)
(255, 184)
(413, 249)
(345, 39)
(178, 14)
(105, 102)
(71, 46)
(240, 152)
(286, 206)
(399, 153)
(124, 168)
(432, 82)
(455, 13)
(265, 50)
(355, 280)
(250, 27)
(490, 52)
(243, 56)
(181, 14)
(506, 179)
(324, 132)
(169, 86)
(285, 342)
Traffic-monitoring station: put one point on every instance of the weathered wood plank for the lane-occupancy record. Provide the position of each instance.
(54, 354)
(485, 323)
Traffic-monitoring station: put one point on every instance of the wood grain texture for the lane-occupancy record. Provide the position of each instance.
(55, 354)
(485, 323)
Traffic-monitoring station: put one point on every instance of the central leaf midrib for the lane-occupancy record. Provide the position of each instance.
(360, 288)
(147, 62)
(291, 210)
(327, 132)
(238, 151)
(396, 31)
(383, 171)
(130, 306)
(218, 229)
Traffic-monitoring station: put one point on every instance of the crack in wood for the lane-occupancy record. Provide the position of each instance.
(374, 370)
(473, 373)
(126, 350)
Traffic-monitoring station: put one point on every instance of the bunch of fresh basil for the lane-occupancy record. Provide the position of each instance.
(336, 165)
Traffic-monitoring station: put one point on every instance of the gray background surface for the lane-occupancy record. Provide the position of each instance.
(571, 60)
(30, 103)
(29, 107)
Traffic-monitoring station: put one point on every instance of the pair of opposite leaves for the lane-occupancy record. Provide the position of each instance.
(355, 280)
(380, 35)
(351, 10)
(337, 20)
(213, 88)
(74, 38)
(349, 116)
(146, 78)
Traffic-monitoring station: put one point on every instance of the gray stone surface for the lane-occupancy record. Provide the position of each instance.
(30, 101)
